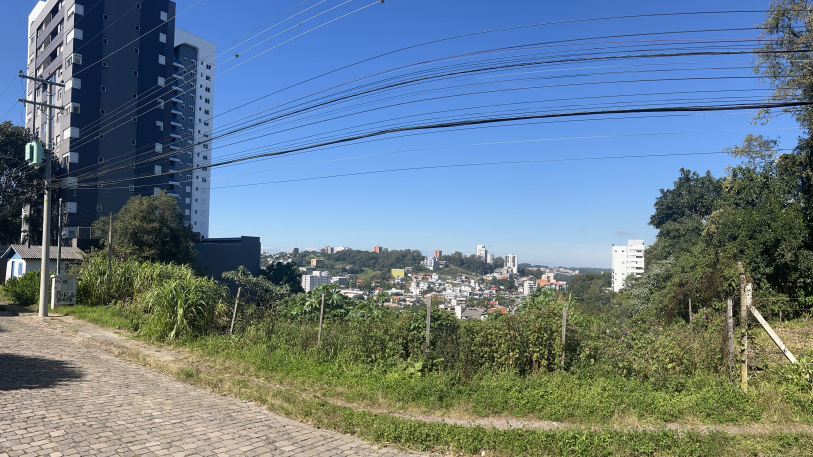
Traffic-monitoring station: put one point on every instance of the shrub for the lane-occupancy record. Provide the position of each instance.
(23, 290)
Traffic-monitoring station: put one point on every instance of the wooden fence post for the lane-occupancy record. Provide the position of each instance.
(729, 320)
(428, 324)
(234, 312)
(690, 310)
(321, 313)
(745, 293)
(564, 330)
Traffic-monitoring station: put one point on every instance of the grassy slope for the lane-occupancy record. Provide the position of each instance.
(588, 398)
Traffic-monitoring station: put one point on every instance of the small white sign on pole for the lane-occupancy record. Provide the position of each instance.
(63, 290)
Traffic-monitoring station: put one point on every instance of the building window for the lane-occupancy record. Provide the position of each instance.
(99, 208)
(133, 141)
(135, 50)
(162, 37)
(106, 17)
(75, 108)
(102, 111)
(132, 164)
(135, 73)
(73, 59)
(135, 119)
(137, 28)
(105, 40)
(159, 125)
(101, 159)
(208, 89)
(161, 81)
(206, 100)
(208, 66)
(103, 88)
(159, 147)
(162, 59)
(131, 187)
(163, 15)
(160, 103)
(138, 5)
(134, 95)
(104, 64)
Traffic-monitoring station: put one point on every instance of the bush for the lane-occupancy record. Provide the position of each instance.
(23, 290)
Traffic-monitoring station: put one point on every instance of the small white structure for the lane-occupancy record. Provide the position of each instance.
(627, 260)
(22, 259)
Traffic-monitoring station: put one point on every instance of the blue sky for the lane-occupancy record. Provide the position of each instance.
(545, 207)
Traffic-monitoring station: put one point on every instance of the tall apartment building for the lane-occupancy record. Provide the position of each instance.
(438, 253)
(314, 280)
(137, 105)
(481, 251)
(627, 260)
(511, 263)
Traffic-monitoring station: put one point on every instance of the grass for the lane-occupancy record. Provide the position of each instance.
(105, 316)
(584, 398)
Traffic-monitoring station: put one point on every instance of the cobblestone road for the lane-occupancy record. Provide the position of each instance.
(61, 396)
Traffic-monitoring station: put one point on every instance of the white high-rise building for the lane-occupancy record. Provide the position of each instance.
(312, 281)
(511, 263)
(627, 260)
(490, 258)
(482, 252)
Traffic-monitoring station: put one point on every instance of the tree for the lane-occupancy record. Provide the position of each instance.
(20, 183)
(150, 228)
(283, 274)
(783, 62)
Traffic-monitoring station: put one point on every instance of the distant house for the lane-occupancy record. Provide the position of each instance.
(22, 258)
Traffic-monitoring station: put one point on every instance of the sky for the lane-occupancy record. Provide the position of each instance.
(553, 191)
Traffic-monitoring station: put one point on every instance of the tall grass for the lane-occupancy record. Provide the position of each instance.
(164, 301)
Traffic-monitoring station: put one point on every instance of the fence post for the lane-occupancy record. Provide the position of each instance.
(564, 330)
(234, 312)
(729, 320)
(745, 292)
(428, 323)
(321, 313)
(690, 310)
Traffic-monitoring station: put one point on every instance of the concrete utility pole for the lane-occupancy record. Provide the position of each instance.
(46, 200)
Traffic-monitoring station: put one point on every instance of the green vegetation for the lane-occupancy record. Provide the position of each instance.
(149, 228)
(22, 290)
(20, 185)
(637, 360)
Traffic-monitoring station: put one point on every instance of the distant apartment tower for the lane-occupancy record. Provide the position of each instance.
(430, 262)
(490, 258)
(314, 280)
(377, 249)
(328, 250)
(438, 253)
(481, 251)
(511, 263)
(627, 260)
(137, 105)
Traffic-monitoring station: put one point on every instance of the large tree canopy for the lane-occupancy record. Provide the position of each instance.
(20, 184)
(150, 228)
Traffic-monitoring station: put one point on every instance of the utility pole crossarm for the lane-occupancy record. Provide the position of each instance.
(41, 104)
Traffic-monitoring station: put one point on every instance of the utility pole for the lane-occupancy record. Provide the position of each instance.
(59, 238)
(109, 248)
(46, 200)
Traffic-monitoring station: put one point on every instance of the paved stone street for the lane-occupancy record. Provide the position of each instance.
(60, 395)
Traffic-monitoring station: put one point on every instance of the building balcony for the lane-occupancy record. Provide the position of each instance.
(175, 135)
